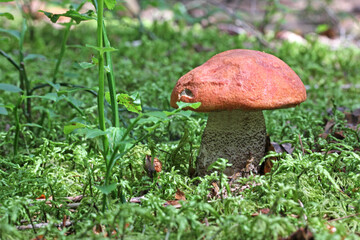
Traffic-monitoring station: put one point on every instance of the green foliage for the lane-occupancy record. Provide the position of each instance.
(75, 15)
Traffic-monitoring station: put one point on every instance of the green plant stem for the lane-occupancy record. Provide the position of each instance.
(62, 50)
(110, 75)
(101, 92)
(10, 59)
(61, 55)
(24, 81)
(17, 128)
(111, 82)
(27, 91)
(30, 218)
(63, 44)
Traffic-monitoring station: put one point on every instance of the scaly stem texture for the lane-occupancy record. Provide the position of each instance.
(238, 136)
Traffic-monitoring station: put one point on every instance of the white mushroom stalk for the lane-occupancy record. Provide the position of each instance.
(238, 136)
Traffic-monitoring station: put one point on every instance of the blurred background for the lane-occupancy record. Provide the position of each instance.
(334, 22)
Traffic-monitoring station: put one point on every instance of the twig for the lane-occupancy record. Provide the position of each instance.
(31, 221)
(41, 225)
(348, 216)
(302, 205)
(302, 147)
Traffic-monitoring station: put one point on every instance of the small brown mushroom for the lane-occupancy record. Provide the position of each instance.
(234, 87)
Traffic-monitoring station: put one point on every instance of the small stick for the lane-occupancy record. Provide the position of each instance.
(40, 225)
(302, 205)
(302, 147)
(348, 216)
(31, 221)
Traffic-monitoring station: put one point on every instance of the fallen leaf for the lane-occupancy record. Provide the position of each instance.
(261, 211)
(97, 229)
(179, 195)
(152, 165)
(268, 164)
(216, 188)
(42, 197)
(353, 119)
(287, 147)
(276, 147)
(157, 165)
(39, 237)
(339, 135)
(328, 126)
(174, 203)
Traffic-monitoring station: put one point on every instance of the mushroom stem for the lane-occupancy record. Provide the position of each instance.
(238, 136)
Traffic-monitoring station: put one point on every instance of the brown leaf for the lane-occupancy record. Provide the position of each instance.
(157, 165)
(152, 165)
(39, 237)
(174, 203)
(97, 229)
(268, 164)
(287, 147)
(179, 195)
(216, 188)
(329, 125)
(339, 135)
(330, 33)
(261, 211)
(353, 119)
(283, 147)
(277, 147)
(42, 197)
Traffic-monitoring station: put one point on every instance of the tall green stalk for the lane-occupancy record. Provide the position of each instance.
(24, 81)
(17, 128)
(111, 83)
(63, 44)
(110, 75)
(101, 91)
(61, 55)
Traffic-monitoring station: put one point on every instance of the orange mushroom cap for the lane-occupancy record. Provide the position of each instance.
(240, 79)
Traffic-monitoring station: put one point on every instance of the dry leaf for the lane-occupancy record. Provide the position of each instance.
(268, 164)
(39, 237)
(152, 165)
(216, 188)
(261, 211)
(179, 195)
(42, 197)
(157, 165)
(174, 203)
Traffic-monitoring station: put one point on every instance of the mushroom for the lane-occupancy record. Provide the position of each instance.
(234, 87)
